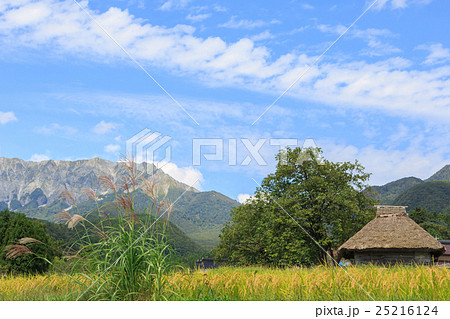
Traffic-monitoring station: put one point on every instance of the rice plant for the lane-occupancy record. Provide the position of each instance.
(397, 283)
(320, 283)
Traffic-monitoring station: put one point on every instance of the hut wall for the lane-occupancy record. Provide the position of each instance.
(392, 257)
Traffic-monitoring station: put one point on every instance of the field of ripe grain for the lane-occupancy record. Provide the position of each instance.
(30, 288)
(317, 283)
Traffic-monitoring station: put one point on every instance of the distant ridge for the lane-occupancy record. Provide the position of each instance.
(19, 178)
(35, 189)
(387, 193)
(442, 175)
(433, 194)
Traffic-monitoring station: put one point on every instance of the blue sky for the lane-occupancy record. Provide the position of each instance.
(380, 94)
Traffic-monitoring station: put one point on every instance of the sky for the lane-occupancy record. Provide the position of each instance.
(213, 89)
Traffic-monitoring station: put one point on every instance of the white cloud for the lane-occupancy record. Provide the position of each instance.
(262, 36)
(372, 36)
(29, 14)
(187, 175)
(104, 127)
(242, 198)
(387, 86)
(387, 165)
(56, 128)
(112, 148)
(39, 158)
(391, 85)
(398, 4)
(438, 54)
(246, 24)
(6, 117)
(198, 17)
(307, 6)
(336, 29)
(174, 4)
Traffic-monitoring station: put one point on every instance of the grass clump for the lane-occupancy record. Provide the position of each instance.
(123, 253)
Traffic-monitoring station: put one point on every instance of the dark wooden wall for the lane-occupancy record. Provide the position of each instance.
(384, 257)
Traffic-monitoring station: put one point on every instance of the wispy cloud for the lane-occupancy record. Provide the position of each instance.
(375, 38)
(174, 4)
(39, 158)
(387, 165)
(307, 6)
(198, 17)
(56, 128)
(6, 117)
(391, 85)
(438, 53)
(104, 127)
(262, 36)
(399, 4)
(112, 148)
(233, 23)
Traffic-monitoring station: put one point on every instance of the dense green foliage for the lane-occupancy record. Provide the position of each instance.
(14, 227)
(437, 224)
(386, 194)
(201, 215)
(433, 196)
(442, 175)
(304, 204)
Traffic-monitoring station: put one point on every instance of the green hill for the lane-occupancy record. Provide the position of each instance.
(181, 244)
(433, 196)
(387, 193)
(200, 215)
(442, 175)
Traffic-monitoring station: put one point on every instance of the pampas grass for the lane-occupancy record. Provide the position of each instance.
(125, 256)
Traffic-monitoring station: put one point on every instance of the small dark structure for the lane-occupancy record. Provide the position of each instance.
(208, 263)
(444, 259)
(391, 238)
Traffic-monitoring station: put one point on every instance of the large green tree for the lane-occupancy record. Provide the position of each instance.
(308, 201)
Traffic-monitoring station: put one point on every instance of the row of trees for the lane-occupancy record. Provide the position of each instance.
(308, 202)
(437, 224)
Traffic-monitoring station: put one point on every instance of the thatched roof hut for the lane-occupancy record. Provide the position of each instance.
(392, 237)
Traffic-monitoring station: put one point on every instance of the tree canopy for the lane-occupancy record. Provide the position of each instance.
(14, 227)
(307, 202)
(437, 224)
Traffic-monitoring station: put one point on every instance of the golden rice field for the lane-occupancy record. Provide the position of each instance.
(318, 283)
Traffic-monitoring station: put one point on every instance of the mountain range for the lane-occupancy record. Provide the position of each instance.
(433, 193)
(35, 189)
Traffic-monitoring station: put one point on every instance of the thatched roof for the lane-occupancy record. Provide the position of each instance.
(392, 229)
